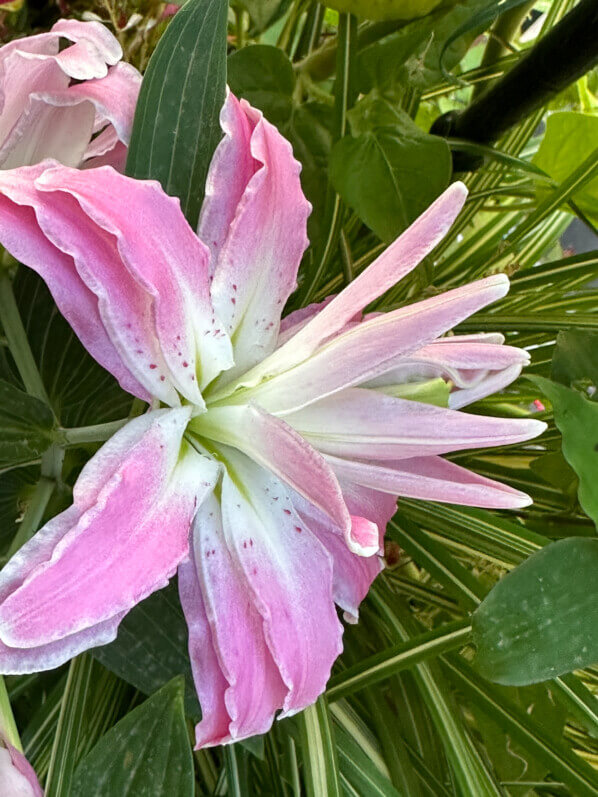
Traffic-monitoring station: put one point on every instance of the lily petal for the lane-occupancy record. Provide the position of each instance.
(122, 539)
(94, 48)
(30, 75)
(364, 424)
(165, 257)
(394, 263)
(114, 99)
(289, 579)
(21, 235)
(239, 686)
(47, 131)
(209, 680)
(375, 346)
(153, 304)
(431, 479)
(352, 574)
(254, 220)
(477, 366)
(276, 446)
(17, 777)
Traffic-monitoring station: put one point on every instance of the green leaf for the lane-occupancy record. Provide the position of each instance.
(575, 358)
(476, 22)
(321, 766)
(440, 563)
(176, 127)
(146, 754)
(569, 138)
(385, 9)
(26, 427)
(562, 762)
(511, 760)
(151, 647)
(540, 620)
(359, 770)
(477, 531)
(555, 470)
(577, 419)
(391, 171)
(70, 724)
(406, 654)
(264, 13)
(470, 770)
(80, 391)
(411, 54)
(264, 76)
(310, 132)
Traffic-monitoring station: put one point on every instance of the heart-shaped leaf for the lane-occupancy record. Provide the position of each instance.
(577, 420)
(540, 620)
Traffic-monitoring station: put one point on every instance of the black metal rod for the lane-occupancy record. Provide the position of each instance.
(560, 58)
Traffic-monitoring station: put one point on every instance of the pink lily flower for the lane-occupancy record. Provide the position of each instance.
(74, 104)
(17, 778)
(268, 476)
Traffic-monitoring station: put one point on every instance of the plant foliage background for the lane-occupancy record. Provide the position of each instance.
(470, 672)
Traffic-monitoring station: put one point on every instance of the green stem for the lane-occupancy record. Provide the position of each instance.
(321, 63)
(17, 341)
(346, 257)
(503, 30)
(240, 26)
(96, 433)
(8, 726)
(343, 97)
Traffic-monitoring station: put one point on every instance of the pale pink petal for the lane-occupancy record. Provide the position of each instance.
(231, 168)
(293, 322)
(17, 777)
(363, 502)
(210, 683)
(163, 254)
(363, 424)
(21, 235)
(494, 382)
(42, 44)
(373, 347)
(431, 479)
(475, 365)
(100, 559)
(255, 196)
(20, 661)
(276, 446)
(288, 575)
(392, 265)
(20, 76)
(41, 115)
(46, 130)
(247, 689)
(126, 308)
(352, 574)
(113, 97)
(94, 49)
(113, 152)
